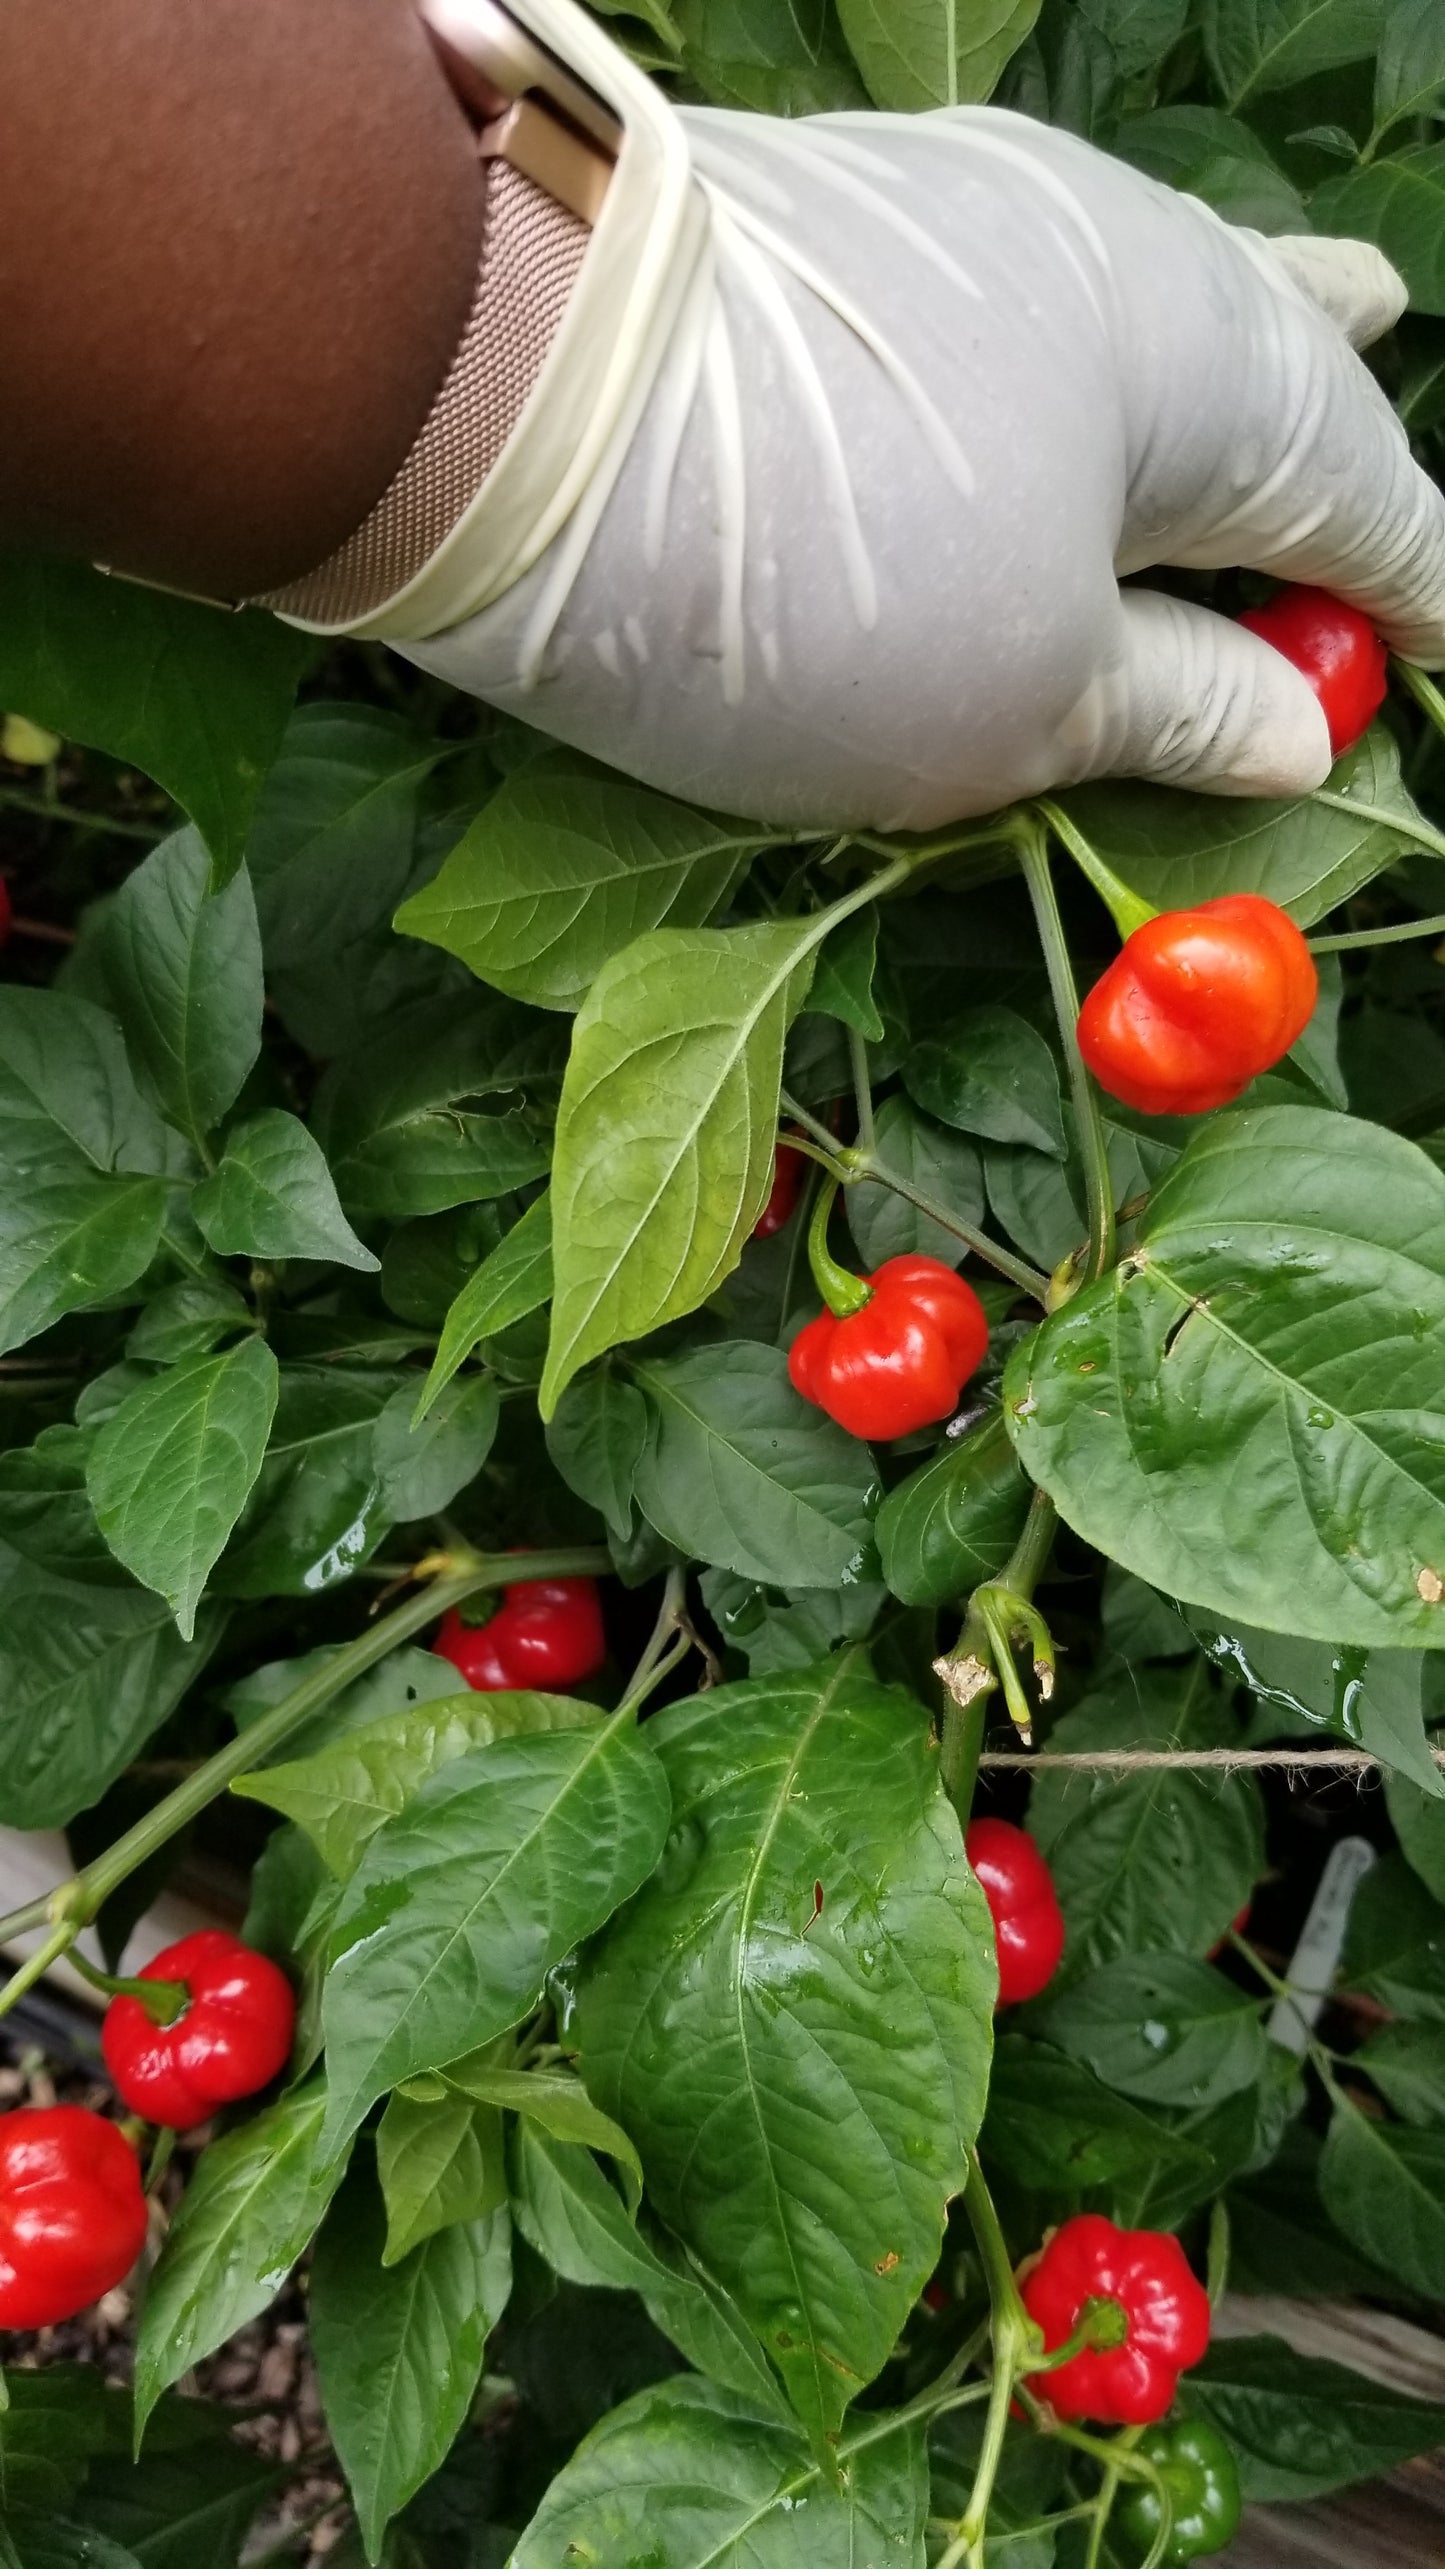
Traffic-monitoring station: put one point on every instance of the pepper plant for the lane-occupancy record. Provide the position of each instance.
(428, 1152)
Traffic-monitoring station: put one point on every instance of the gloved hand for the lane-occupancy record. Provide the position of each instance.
(931, 388)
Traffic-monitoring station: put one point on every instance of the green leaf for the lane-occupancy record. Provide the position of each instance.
(955, 1520)
(253, 2202)
(1374, 1699)
(558, 2102)
(739, 1470)
(87, 1675)
(343, 1793)
(693, 2476)
(394, 1121)
(181, 967)
(1247, 1412)
(192, 696)
(1177, 849)
(565, 867)
(68, 1098)
(1399, 204)
(843, 982)
(188, 1318)
(407, 1676)
(1410, 65)
(316, 1511)
(1418, 1818)
(70, 1242)
(51, 2423)
(335, 845)
(595, 1438)
(1395, 1943)
(195, 2501)
(732, 2027)
(272, 1197)
(513, 1280)
(788, 1628)
(1213, 156)
(780, 57)
(438, 2163)
(1384, 2187)
(1407, 2064)
(567, 2211)
(1255, 45)
(45, 1510)
(1158, 1861)
(497, 1868)
(423, 1467)
(1299, 2427)
(399, 2348)
(992, 1074)
(939, 1163)
(1160, 2027)
(1052, 2127)
(667, 1129)
(933, 53)
(170, 1472)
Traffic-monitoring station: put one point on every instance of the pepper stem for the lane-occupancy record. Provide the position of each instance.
(1128, 910)
(163, 2000)
(1001, 1618)
(842, 1291)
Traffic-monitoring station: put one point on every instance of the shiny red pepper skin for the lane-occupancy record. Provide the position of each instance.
(901, 1361)
(1167, 2309)
(1198, 1003)
(232, 2038)
(789, 1169)
(1028, 1923)
(72, 2212)
(546, 1633)
(1336, 648)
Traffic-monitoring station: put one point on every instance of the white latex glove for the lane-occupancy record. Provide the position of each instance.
(930, 387)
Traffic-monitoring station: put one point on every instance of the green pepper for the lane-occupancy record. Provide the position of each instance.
(1199, 2471)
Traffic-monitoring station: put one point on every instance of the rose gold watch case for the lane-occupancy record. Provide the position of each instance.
(528, 108)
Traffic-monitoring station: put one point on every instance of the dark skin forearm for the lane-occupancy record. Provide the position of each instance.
(238, 241)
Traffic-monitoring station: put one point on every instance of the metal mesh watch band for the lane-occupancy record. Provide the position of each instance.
(532, 249)
(547, 147)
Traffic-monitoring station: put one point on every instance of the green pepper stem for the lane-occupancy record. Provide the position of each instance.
(842, 1291)
(1128, 910)
(1401, 935)
(852, 1167)
(163, 2000)
(1088, 1122)
(1015, 2339)
(1000, 1614)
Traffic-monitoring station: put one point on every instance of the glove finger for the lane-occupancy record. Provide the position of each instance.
(1352, 282)
(1265, 441)
(1190, 699)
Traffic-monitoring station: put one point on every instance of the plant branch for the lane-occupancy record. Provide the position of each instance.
(1014, 2342)
(14, 799)
(1088, 1122)
(1396, 936)
(862, 1087)
(73, 1904)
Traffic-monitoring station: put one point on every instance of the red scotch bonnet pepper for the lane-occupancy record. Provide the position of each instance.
(546, 1633)
(72, 2212)
(899, 1360)
(1198, 1004)
(1336, 648)
(1160, 2311)
(231, 2037)
(1028, 1923)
